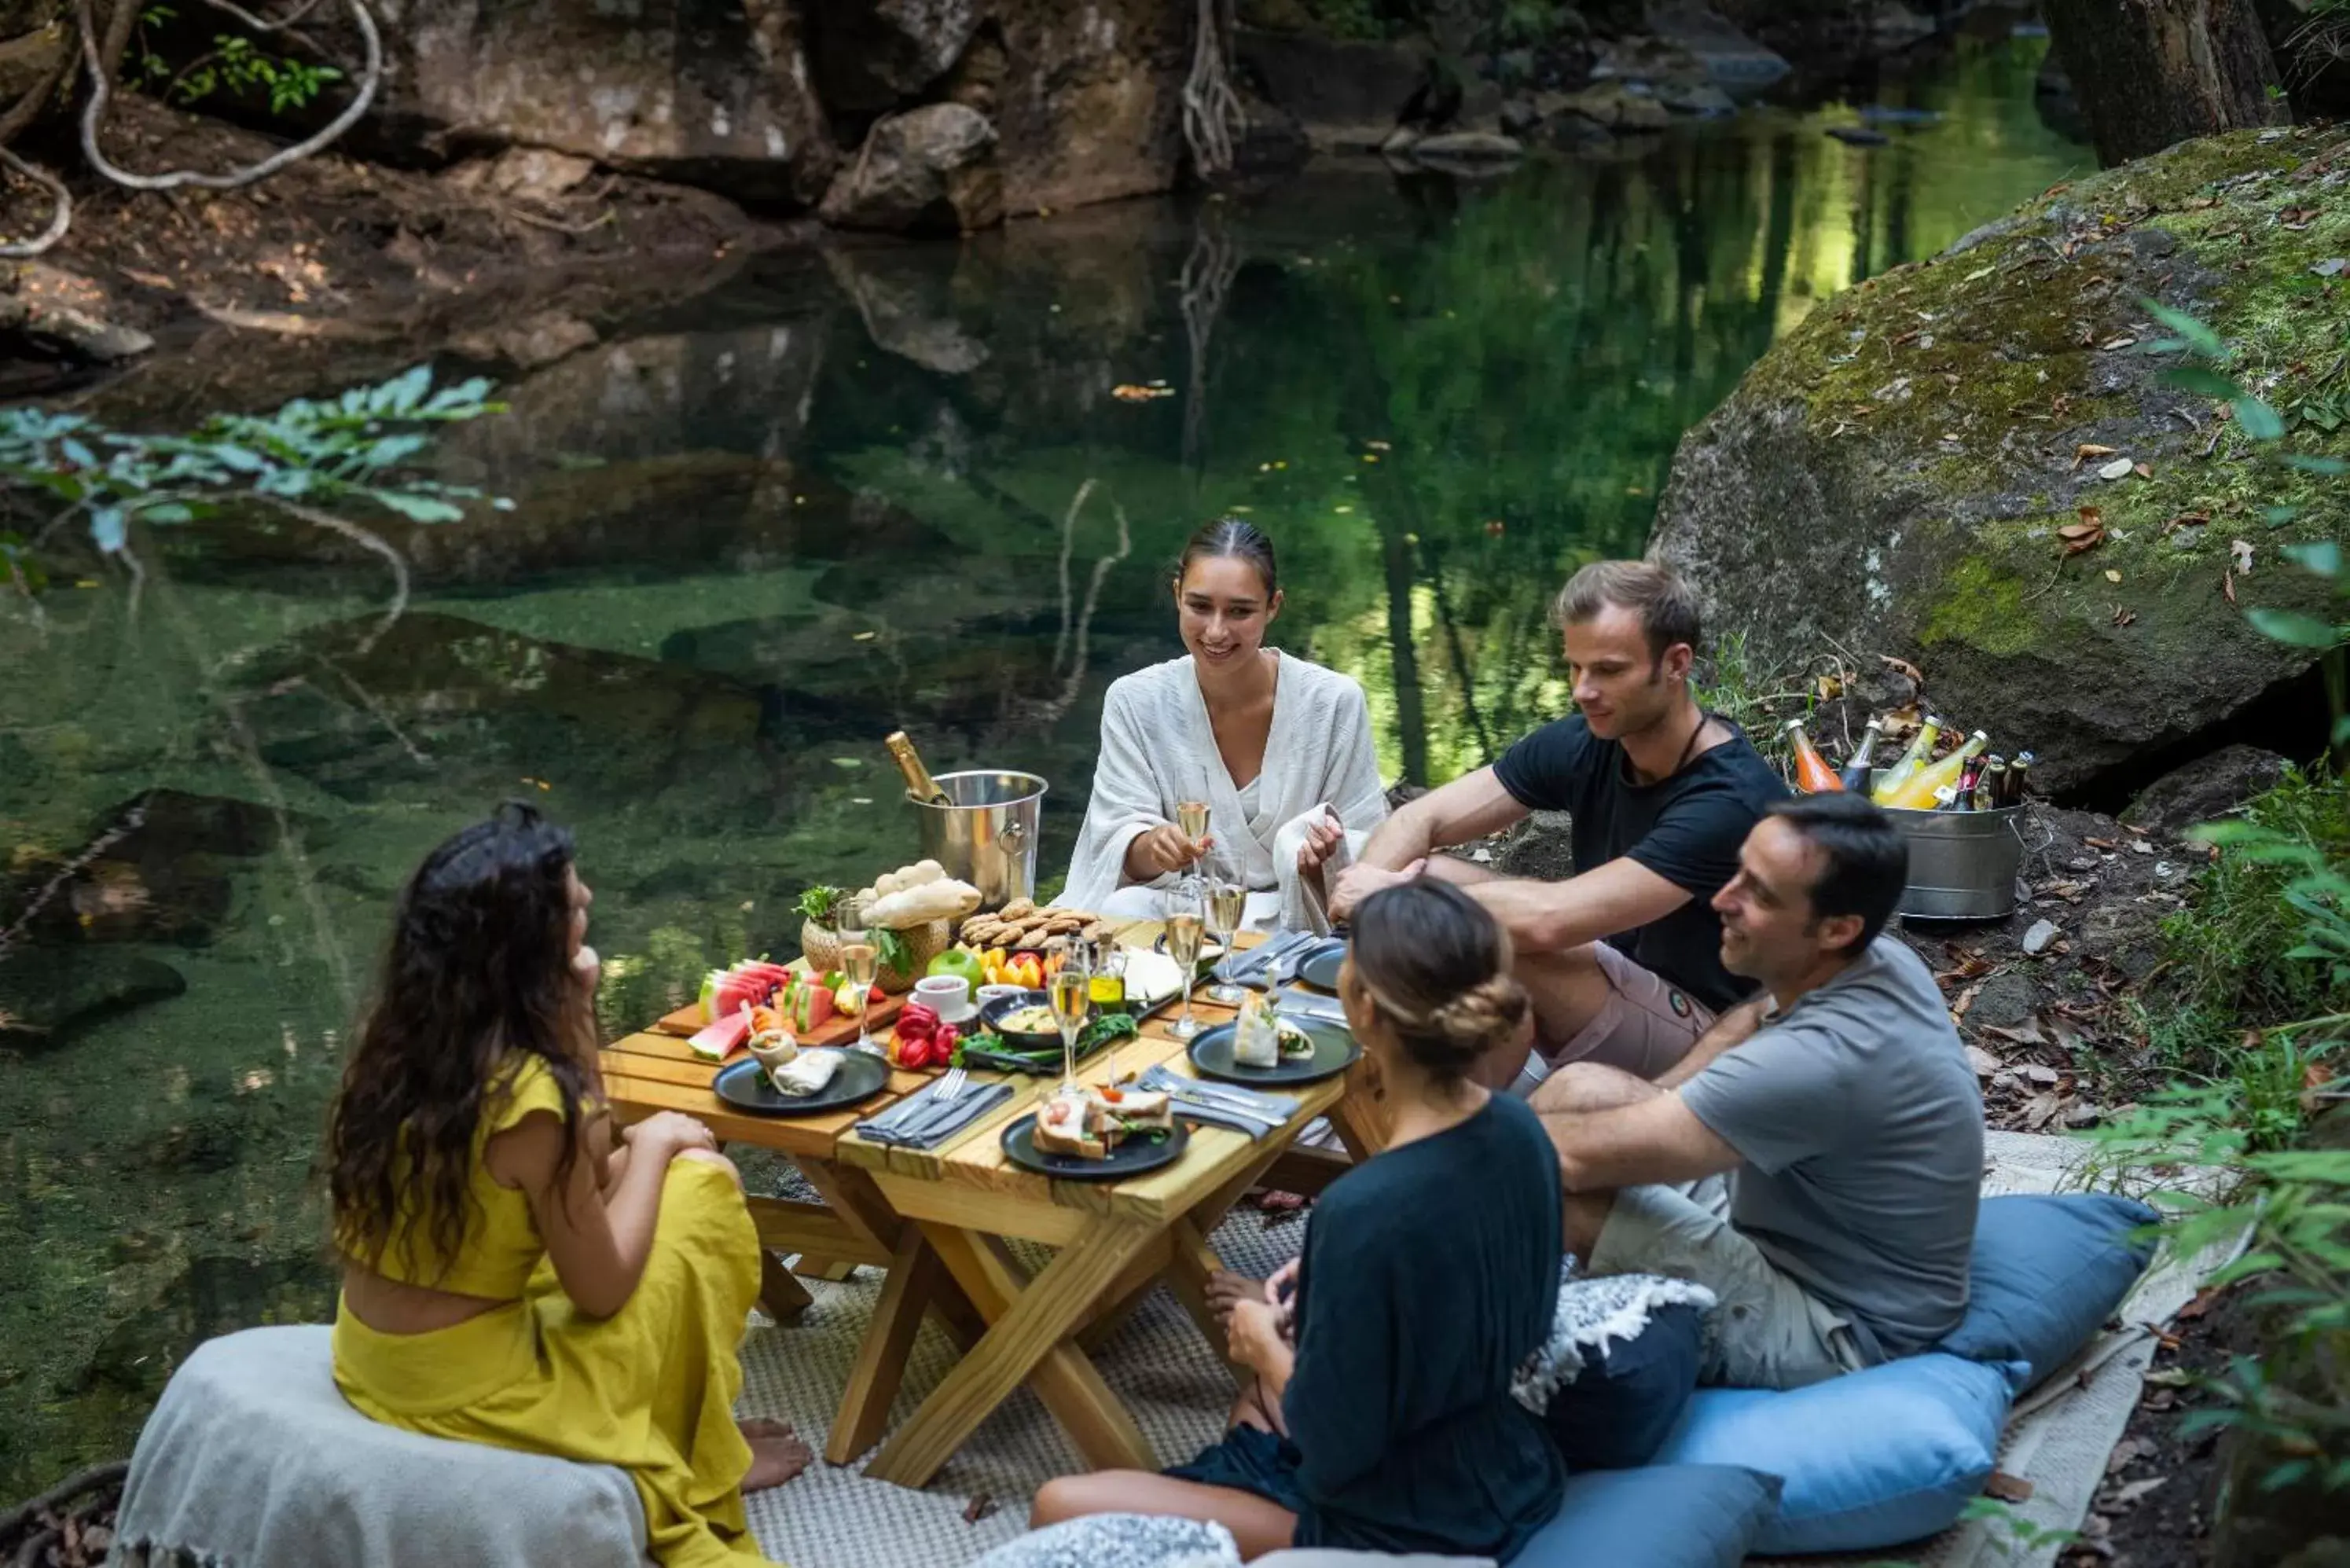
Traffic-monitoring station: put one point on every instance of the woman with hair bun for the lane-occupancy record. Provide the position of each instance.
(1279, 750)
(1379, 1418)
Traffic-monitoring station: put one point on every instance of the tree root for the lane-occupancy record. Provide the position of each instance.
(102, 93)
(1212, 115)
(73, 1486)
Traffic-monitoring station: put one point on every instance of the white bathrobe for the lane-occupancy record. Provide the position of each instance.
(1158, 748)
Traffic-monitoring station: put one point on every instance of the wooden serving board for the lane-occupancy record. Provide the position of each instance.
(837, 1030)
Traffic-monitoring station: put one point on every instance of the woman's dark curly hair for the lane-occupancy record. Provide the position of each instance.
(478, 972)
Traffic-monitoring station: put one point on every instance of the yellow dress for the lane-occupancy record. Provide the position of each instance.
(650, 1389)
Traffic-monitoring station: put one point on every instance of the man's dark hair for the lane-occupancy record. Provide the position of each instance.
(1865, 859)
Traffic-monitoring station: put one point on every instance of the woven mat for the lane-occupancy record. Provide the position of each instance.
(1177, 1390)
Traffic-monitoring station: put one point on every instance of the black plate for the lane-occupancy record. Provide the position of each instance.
(1126, 1160)
(1023, 1040)
(745, 1087)
(1320, 969)
(1334, 1052)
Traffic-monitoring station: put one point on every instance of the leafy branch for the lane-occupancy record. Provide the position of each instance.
(307, 456)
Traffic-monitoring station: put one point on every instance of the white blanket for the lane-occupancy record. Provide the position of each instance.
(1158, 748)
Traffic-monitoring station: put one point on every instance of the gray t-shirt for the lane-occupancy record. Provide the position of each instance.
(1861, 1128)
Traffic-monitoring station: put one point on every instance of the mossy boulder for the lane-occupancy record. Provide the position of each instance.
(1892, 476)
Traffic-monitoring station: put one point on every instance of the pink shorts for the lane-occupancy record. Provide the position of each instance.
(1645, 1026)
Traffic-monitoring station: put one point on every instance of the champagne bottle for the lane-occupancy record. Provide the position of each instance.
(1920, 752)
(1812, 775)
(1855, 767)
(919, 787)
(1918, 795)
(1991, 786)
(2015, 780)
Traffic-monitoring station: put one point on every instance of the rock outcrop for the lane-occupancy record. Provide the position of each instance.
(1894, 475)
(701, 94)
(928, 170)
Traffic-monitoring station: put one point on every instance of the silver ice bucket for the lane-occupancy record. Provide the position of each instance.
(1962, 864)
(987, 834)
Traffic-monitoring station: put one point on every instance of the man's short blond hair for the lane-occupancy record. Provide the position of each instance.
(1661, 597)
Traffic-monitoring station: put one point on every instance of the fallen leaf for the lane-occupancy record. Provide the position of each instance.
(2204, 1301)
(864, 636)
(2242, 550)
(2041, 1110)
(1982, 1061)
(2135, 1490)
(2187, 520)
(2041, 1074)
(2109, 345)
(1966, 1000)
(2313, 1079)
(2142, 471)
(1903, 667)
(2227, 588)
(2120, 468)
(1829, 688)
(2088, 449)
(2124, 616)
(2170, 1378)
(2008, 1488)
(2298, 218)
(2112, 576)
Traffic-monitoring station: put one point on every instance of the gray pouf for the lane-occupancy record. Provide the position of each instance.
(254, 1457)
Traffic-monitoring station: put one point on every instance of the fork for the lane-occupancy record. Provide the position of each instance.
(942, 1097)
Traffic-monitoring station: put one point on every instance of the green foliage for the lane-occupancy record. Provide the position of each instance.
(2264, 948)
(1730, 683)
(818, 903)
(348, 451)
(234, 67)
(2016, 1535)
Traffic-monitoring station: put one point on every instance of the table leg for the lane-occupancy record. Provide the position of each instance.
(1027, 1340)
(915, 1273)
(1194, 1264)
(784, 1297)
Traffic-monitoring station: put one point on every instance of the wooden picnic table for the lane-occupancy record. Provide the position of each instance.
(1113, 1241)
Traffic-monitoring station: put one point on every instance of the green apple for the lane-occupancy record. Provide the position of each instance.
(960, 963)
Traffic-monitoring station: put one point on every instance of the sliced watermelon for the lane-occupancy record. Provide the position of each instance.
(732, 991)
(812, 1008)
(723, 1038)
(772, 973)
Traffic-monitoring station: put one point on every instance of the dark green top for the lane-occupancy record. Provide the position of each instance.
(1430, 1274)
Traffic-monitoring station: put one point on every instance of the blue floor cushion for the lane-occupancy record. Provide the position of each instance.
(1658, 1516)
(2048, 1271)
(1870, 1460)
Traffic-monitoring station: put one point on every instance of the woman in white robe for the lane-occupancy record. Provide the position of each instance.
(1280, 748)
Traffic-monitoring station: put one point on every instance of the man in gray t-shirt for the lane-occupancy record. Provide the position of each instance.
(1839, 1101)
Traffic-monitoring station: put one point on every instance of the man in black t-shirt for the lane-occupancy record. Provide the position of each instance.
(1623, 958)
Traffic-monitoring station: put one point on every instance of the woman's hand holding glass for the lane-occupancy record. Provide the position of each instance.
(1164, 850)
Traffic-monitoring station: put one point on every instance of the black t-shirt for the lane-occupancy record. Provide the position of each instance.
(1686, 828)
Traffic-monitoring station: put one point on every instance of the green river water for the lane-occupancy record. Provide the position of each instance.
(889, 488)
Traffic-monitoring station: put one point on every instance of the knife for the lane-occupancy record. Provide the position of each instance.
(1260, 960)
(1312, 1005)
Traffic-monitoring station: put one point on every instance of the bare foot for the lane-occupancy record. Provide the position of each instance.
(1225, 1289)
(778, 1454)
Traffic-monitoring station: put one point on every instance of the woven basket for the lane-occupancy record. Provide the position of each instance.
(820, 945)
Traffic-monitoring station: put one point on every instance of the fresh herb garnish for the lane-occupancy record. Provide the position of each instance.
(817, 904)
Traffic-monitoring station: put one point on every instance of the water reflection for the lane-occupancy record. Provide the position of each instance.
(874, 488)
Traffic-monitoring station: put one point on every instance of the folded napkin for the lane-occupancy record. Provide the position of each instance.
(805, 1074)
(1295, 1002)
(1225, 1105)
(921, 1122)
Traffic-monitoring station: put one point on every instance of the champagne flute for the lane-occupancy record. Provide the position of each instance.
(1191, 822)
(861, 962)
(1072, 1000)
(1185, 926)
(1227, 901)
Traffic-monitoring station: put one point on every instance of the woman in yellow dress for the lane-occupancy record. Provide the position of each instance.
(512, 1275)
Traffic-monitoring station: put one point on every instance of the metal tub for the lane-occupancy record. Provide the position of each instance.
(987, 837)
(1962, 864)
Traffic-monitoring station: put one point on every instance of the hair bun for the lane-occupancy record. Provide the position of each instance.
(1486, 1015)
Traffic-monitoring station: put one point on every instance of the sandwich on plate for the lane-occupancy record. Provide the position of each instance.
(1088, 1122)
(1264, 1038)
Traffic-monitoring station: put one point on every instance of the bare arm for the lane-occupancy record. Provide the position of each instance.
(1656, 1139)
(599, 1238)
(1552, 917)
(1468, 807)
